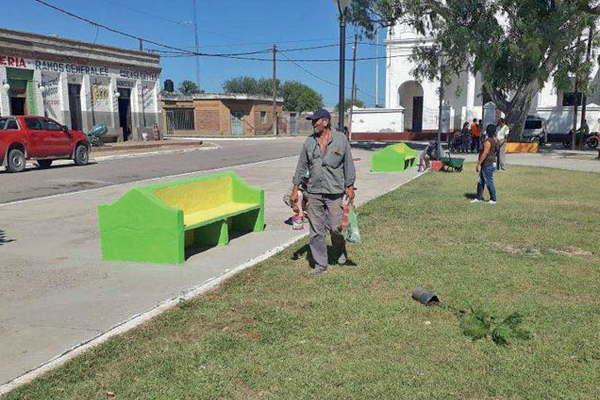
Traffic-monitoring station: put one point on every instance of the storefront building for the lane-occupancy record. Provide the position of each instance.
(221, 114)
(79, 84)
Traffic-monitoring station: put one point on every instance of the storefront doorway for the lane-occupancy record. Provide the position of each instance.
(17, 105)
(21, 92)
(75, 106)
(237, 127)
(125, 111)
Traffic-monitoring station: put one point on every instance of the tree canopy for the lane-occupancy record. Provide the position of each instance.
(188, 87)
(516, 45)
(296, 96)
(348, 103)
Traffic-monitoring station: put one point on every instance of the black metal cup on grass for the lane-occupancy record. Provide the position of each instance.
(425, 297)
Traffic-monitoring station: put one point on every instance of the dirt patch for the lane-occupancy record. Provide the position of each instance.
(571, 251)
(518, 250)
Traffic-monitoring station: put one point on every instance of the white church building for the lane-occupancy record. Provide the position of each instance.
(412, 106)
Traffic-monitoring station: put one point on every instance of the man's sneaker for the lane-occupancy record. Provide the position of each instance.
(342, 260)
(318, 270)
(491, 202)
(475, 201)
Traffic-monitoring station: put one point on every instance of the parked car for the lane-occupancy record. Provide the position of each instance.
(534, 130)
(29, 137)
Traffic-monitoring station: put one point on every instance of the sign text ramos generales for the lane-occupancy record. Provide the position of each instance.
(71, 68)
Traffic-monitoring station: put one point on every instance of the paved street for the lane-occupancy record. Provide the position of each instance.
(56, 292)
(62, 179)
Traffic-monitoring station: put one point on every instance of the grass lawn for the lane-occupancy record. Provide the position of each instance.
(355, 332)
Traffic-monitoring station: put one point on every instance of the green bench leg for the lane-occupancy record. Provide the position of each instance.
(253, 221)
(216, 234)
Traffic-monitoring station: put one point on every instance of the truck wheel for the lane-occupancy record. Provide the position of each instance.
(82, 155)
(43, 164)
(16, 161)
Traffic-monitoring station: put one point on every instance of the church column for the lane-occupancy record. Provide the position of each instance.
(471, 95)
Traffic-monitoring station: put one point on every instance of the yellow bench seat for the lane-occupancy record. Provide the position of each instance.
(203, 217)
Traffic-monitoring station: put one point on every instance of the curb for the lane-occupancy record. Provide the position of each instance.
(233, 138)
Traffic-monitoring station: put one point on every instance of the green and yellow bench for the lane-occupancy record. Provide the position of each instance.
(394, 158)
(155, 223)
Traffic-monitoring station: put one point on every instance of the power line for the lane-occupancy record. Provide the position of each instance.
(138, 38)
(309, 72)
(181, 52)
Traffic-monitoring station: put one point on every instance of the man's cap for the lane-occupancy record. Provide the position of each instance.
(320, 113)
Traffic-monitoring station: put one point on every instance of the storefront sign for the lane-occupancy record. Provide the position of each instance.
(74, 69)
(70, 68)
(12, 61)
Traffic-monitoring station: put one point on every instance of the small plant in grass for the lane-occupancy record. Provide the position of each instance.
(478, 324)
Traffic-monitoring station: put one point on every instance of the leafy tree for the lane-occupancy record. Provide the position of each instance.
(242, 84)
(188, 87)
(296, 96)
(348, 103)
(300, 97)
(252, 86)
(516, 45)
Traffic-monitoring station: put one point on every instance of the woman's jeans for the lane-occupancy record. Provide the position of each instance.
(486, 178)
(466, 143)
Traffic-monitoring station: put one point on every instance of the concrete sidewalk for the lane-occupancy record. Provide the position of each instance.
(547, 160)
(56, 292)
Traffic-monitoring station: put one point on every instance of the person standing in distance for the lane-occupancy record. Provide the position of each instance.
(485, 166)
(327, 156)
(502, 136)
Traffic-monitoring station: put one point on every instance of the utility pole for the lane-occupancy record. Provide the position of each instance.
(196, 45)
(141, 44)
(274, 83)
(587, 60)
(376, 68)
(353, 95)
(342, 77)
(441, 100)
(575, 104)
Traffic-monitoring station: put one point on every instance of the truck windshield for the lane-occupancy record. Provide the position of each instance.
(8, 124)
(533, 124)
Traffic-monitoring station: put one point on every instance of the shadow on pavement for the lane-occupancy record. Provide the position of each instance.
(33, 169)
(3, 238)
(195, 249)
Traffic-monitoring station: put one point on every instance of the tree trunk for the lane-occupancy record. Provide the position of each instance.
(517, 108)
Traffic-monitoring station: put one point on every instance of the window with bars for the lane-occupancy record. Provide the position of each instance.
(181, 119)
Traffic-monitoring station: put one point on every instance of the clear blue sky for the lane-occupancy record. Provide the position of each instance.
(224, 26)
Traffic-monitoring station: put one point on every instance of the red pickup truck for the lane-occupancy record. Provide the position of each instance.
(29, 137)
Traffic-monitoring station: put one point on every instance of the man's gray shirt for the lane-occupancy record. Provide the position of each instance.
(331, 173)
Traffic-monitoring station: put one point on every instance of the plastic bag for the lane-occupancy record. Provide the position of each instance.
(352, 233)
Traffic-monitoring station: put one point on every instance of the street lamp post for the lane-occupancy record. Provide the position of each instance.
(343, 9)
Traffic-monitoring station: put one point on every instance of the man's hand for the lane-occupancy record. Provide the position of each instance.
(294, 200)
(477, 168)
(350, 193)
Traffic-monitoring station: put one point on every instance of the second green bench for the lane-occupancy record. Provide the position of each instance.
(394, 158)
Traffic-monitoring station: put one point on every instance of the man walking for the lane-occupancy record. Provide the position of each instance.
(327, 156)
(485, 166)
(502, 137)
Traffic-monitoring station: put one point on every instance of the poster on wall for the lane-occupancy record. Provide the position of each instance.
(148, 96)
(51, 96)
(100, 94)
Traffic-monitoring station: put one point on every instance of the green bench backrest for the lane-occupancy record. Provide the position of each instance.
(197, 195)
